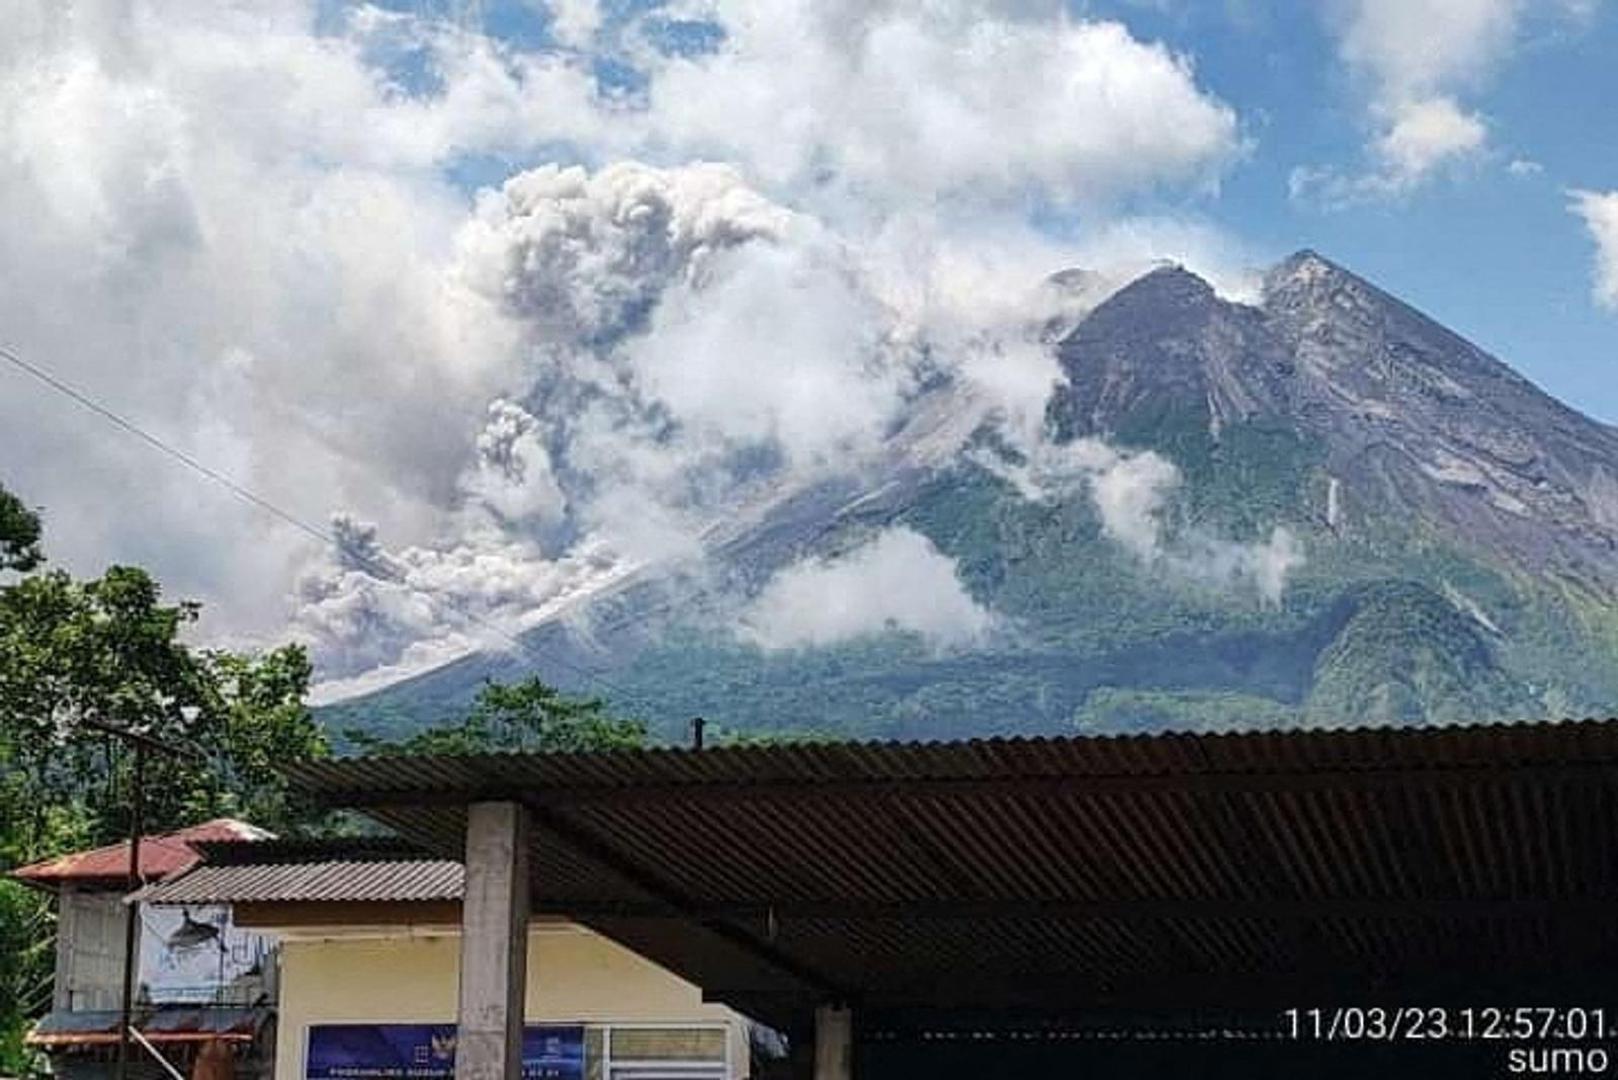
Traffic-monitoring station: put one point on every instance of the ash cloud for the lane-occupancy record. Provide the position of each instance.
(244, 230)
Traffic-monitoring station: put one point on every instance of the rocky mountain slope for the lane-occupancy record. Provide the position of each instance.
(1411, 419)
(1458, 532)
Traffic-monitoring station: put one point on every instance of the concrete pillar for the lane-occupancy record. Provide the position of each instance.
(834, 1043)
(494, 943)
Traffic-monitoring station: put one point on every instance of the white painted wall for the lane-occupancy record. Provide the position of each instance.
(393, 975)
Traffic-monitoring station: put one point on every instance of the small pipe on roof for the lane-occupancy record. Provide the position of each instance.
(698, 727)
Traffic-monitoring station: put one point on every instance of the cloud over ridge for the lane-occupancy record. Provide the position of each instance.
(896, 581)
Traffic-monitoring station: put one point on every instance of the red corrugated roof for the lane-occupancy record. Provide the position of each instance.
(161, 856)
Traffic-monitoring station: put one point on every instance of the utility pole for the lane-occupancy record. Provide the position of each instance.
(137, 814)
(139, 743)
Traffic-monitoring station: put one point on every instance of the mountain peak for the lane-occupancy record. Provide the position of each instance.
(1168, 291)
(1307, 256)
(1304, 269)
(1166, 344)
(1168, 297)
(1173, 278)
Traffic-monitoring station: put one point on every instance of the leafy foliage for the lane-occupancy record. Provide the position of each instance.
(19, 534)
(528, 716)
(27, 924)
(108, 650)
(1408, 655)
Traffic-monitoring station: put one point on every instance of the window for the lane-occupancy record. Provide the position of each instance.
(665, 1053)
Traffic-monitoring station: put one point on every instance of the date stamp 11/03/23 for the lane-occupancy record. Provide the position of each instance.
(1535, 1040)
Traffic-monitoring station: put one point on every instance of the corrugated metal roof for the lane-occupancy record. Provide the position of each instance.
(296, 849)
(164, 1023)
(573, 775)
(160, 856)
(1062, 868)
(279, 871)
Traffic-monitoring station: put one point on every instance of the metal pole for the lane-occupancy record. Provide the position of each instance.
(156, 1053)
(139, 743)
(699, 726)
(132, 909)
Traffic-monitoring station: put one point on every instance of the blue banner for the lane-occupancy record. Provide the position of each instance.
(427, 1052)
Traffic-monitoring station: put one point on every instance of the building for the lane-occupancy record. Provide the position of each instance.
(368, 936)
(197, 977)
(1183, 904)
(1176, 904)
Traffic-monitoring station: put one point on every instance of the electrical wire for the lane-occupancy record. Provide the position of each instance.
(378, 568)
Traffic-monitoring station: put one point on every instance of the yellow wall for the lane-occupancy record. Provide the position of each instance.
(383, 976)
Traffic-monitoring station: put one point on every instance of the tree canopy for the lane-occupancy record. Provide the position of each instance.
(19, 534)
(109, 650)
(527, 716)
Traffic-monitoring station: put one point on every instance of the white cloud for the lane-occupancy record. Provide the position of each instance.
(1417, 48)
(1524, 167)
(783, 348)
(1599, 211)
(1424, 136)
(906, 101)
(575, 22)
(1126, 248)
(227, 241)
(1419, 140)
(896, 581)
(1416, 58)
(988, 300)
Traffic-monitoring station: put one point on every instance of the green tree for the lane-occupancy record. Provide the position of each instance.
(261, 723)
(110, 650)
(19, 534)
(528, 716)
(27, 935)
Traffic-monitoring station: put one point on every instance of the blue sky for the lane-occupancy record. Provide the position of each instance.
(1491, 254)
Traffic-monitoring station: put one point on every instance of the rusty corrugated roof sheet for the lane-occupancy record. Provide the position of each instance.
(160, 1024)
(1002, 870)
(359, 870)
(161, 856)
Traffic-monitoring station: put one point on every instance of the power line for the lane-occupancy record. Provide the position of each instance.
(376, 567)
(152, 440)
